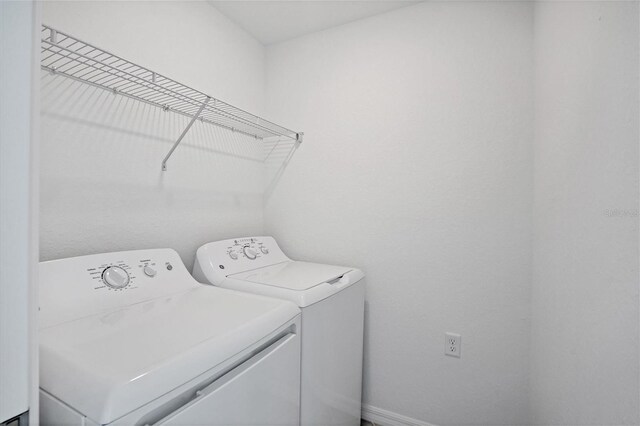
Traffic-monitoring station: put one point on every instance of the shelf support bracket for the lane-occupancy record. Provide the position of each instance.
(184, 132)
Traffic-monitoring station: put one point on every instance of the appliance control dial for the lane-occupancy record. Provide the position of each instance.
(264, 250)
(249, 252)
(149, 271)
(233, 255)
(115, 277)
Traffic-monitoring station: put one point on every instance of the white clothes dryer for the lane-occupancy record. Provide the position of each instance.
(130, 338)
(332, 303)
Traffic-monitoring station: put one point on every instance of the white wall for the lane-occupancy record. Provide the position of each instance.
(585, 289)
(416, 167)
(102, 188)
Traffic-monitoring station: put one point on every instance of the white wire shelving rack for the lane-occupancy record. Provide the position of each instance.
(63, 54)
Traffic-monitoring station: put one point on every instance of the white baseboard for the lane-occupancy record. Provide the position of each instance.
(382, 417)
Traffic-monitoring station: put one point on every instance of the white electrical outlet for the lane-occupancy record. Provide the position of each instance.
(452, 344)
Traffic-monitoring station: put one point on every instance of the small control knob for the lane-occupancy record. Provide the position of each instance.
(115, 277)
(249, 252)
(149, 271)
(233, 255)
(264, 250)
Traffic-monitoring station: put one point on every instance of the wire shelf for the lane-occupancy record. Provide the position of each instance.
(66, 55)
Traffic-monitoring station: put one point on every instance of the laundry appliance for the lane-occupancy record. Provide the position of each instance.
(130, 338)
(332, 303)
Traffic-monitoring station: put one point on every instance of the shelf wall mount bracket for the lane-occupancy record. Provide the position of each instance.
(184, 132)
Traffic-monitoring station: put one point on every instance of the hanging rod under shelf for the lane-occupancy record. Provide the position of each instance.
(66, 55)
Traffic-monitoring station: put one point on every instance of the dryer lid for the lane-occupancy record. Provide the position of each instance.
(293, 275)
(109, 364)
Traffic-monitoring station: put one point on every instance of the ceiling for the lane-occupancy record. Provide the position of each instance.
(275, 21)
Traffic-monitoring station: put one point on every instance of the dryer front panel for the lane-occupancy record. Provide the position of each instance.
(264, 390)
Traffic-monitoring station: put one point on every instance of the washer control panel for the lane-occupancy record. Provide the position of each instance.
(219, 259)
(80, 286)
(248, 248)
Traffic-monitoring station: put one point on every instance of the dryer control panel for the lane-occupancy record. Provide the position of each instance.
(217, 260)
(80, 286)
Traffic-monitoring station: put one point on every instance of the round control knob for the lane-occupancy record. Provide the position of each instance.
(233, 255)
(149, 271)
(249, 252)
(264, 250)
(115, 277)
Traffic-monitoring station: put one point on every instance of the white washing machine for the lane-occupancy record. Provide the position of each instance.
(332, 303)
(130, 338)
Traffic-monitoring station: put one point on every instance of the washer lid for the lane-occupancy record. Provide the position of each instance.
(109, 364)
(293, 275)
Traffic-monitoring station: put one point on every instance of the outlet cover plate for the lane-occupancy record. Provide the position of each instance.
(452, 344)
